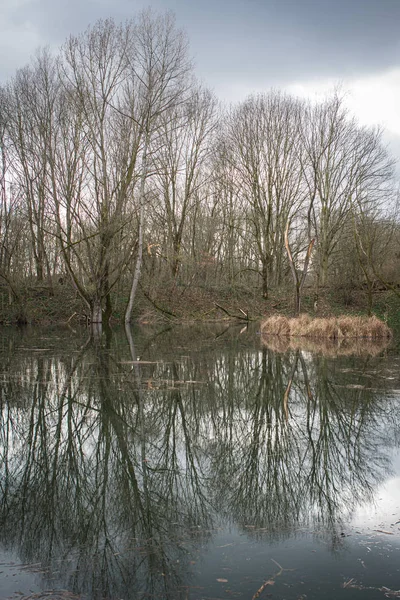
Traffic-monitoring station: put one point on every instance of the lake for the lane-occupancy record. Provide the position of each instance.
(195, 463)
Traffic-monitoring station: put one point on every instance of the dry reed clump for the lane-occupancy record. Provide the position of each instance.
(330, 328)
(370, 328)
(323, 328)
(299, 325)
(347, 325)
(276, 325)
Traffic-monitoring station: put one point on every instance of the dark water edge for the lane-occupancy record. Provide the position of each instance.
(212, 467)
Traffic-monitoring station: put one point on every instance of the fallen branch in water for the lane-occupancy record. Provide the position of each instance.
(383, 531)
(262, 588)
(352, 583)
(245, 316)
(168, 314)
(270, 581)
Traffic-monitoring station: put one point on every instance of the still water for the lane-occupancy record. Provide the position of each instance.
(197, 463)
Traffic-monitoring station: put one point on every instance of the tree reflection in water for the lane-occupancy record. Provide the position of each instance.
(115, 473)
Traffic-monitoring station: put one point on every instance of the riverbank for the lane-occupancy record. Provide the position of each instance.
(44, 304)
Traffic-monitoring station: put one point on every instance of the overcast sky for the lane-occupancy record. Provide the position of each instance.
(244, 46)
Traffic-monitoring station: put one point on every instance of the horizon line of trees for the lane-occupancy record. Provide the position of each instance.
(118, 167)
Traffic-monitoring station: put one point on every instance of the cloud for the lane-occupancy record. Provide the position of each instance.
(247, 46)
(373, 99)
(376, 100)
(239, 41)
(18, 36)
(25, 25)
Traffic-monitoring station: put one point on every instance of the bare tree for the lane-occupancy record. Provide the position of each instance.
(161, 67)
(264, 135)
(28, 101)
(299, 277)
(112, 145)
(183, 145)
(375, 241)
(344, 165)
(12, 224)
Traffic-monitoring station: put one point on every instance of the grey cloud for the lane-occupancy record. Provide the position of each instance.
(250, 43)
(279, 41)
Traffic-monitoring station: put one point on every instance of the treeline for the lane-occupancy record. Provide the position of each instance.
(119, 169)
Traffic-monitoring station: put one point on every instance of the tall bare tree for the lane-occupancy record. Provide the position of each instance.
(12, 223)
(183, 146)
(264, 134)
(161, 69)
(29, 99)
(344, 165)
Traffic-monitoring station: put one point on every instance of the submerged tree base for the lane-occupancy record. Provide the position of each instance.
(331, 328)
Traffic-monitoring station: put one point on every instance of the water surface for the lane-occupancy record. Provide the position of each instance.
(197, 463)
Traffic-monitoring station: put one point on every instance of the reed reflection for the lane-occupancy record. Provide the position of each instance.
(115, 472)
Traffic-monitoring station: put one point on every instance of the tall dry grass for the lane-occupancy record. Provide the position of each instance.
(331, 328)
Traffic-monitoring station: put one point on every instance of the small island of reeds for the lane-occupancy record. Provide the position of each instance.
(329, 328)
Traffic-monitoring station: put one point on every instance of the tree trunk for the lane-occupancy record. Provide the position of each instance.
(297, 279)
(97, 312)
(39, 270)
(139, 258)
(265, 280)
(324, 269)
(176, 263)
(297, 300)
(108, 308)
